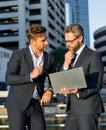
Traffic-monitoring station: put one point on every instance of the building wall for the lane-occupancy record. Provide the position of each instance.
(68, 11)
(5, 55)
(100, 45)
(79, 10)
(17, 15)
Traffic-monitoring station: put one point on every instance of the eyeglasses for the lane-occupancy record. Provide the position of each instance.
(71, 41)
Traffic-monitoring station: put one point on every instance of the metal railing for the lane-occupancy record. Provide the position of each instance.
(3, 94)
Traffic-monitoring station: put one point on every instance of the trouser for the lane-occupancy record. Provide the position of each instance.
(81, 122)
(32, 117)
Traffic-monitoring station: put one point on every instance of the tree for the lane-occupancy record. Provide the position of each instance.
(59, 56)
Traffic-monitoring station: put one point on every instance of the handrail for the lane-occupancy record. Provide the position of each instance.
(4, 94)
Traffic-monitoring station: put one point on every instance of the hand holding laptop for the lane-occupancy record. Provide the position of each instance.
(72, 79)
(66, 91)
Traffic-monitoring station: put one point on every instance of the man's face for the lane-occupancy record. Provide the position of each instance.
(40, 43)
(73, 42)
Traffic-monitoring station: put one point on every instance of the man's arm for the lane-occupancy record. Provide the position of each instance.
(13, 68)
(94, 66)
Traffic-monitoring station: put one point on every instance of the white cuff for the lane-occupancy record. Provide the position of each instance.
(77, 95)
(65, 68)
(31, 78)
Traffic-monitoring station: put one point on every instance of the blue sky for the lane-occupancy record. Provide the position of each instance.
(97, 16)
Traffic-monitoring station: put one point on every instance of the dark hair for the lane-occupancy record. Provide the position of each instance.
(35, 30)
(75, 28)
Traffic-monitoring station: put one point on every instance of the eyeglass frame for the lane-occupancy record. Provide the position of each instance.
(71, 41)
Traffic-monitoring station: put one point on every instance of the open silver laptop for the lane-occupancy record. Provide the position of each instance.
(71, 79)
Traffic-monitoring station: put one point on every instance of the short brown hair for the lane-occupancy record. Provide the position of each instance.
(35, 30)
(75, 28)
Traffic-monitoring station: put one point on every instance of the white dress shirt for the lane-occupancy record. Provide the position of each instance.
(37, 62)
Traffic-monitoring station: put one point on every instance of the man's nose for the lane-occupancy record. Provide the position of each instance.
(46, 42)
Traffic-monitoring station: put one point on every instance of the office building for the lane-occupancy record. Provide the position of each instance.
(17, 15)
(100, 45)
(68, 11)
(5, 55)
(79, 14)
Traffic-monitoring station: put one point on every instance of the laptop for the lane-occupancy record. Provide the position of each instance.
(71, 79)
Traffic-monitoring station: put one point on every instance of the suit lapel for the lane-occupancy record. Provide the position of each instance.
(29, 59)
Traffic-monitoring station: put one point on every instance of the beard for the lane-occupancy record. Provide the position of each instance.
(71, 49)
(45, 48)
(74, 48)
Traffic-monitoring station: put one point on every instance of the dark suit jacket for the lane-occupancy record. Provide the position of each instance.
(89, 101)
(18, 76)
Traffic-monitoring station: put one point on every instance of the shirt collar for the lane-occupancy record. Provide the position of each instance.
(80, 50)
(32, 54)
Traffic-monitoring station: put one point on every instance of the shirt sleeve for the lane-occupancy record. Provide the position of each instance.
(65, 68)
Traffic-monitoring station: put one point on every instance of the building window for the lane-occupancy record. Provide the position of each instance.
(9, 21)
(35, 12)
(35, 22)
(34, 1)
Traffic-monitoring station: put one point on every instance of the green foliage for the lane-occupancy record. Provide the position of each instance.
(59, 56)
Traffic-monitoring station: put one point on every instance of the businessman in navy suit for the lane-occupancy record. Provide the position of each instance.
(83, 105)
(26, 73)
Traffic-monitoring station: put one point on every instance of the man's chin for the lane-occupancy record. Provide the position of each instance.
(45, 49)
(70, 49)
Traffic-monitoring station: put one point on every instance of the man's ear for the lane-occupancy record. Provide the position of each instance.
(32, 41)
(81, 38)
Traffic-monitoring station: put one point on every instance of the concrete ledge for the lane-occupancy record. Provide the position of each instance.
(3, 94)
(102, 124)
(4, 126)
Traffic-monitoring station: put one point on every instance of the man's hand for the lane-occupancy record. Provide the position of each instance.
(67, 91)
(68, 58)
(46, 97)
(73, 91)
(36, 72)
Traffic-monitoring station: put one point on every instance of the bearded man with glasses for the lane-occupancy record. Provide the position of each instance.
(83, 105)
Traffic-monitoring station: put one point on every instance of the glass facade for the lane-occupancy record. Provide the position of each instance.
(79, 10)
